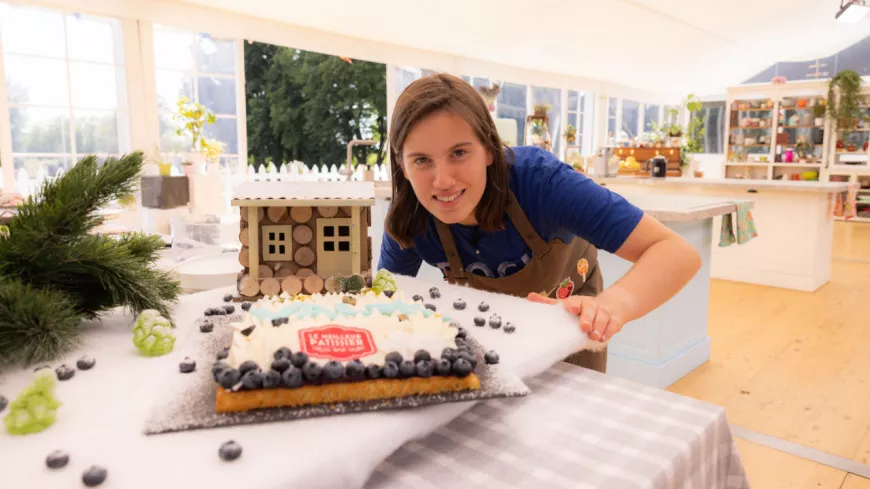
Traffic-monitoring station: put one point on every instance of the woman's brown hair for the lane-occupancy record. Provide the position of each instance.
(406, 217)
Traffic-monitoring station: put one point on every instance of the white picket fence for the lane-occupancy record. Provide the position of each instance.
(298, 171)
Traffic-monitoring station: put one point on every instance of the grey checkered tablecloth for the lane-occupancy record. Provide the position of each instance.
(578, 429)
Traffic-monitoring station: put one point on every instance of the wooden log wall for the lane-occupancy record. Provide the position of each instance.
(298, 276)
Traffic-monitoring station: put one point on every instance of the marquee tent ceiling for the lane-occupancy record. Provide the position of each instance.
(663, 46)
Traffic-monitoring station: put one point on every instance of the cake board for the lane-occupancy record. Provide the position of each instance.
(188, 402)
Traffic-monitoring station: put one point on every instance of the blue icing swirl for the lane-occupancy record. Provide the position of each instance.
(302, 310)
(388, 309)
(296, 311)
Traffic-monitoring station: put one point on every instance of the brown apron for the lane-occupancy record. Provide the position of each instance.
(547, 270)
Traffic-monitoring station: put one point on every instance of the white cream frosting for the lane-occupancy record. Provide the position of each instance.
(417, 332)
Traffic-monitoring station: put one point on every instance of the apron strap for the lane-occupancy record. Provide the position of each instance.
(456, 270)
(524, 227)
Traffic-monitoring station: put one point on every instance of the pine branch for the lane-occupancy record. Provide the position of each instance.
(101, 272)
(35, 325)
(67, 207)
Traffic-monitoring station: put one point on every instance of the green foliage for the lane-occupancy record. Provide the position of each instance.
(35, 408)
(307, 106)
(54, 272)
(695, 131)
(846, 112)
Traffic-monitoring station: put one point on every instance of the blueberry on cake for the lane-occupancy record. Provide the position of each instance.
(304, 350)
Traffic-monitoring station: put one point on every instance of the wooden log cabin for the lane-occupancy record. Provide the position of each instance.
(299, 237)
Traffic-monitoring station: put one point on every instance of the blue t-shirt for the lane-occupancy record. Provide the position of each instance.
(558, 201)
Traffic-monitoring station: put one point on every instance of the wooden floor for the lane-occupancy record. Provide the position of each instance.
(796, 366)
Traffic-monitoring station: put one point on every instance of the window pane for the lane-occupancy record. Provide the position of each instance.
(97, 40)
(328, 246)
(218, 95)
(344, 246)
(36, 81)
(39, 130)
(96, 132)
(29, 30)
(224, 130)
(216, 56)
(630, 113)
(553, 98)
(650, 115)
(611, 117)
(573, 97)
(170, 86)
(173, 50)
(96, 86)
(344, 230)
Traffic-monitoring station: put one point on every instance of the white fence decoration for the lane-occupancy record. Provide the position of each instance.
(298, 171)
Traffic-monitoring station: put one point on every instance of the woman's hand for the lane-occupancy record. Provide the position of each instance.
(597, 317)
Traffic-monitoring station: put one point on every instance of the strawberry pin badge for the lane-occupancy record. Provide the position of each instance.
(563, 290)
(582, 268)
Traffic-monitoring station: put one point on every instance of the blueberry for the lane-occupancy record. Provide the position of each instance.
(206, 327)
(459, 304)
(299, 359)
(57, 459)
(223, 353)
(3, 403)
(292, 377)
(219, 311)
(354, 369)
(462, 367)
(390, 370)
(277, 322)
(85, 363)
(444, 367)
(282, 352)
(394, 357)
(332, 370)
(229, 377)
(248, 366)
(373, 371)
(247, 331)
(434, 293)
(217, 368)
(407, 369)
(417, 298)
(388, 293)
(271, 379)
(462, 334)
(479, 321)
(230, 451)
(253, 379)
(424, 368)
(311, 371)
(461, 344)
(455, 324)
(431, 307)
(491, 357)
(208, 312)
(509, 327)
(94, 476)
(495, 321)
(228, 297)
(187, 366)
(281, 364)
(449, 354)
(246, 306)
(64, 372)
(483, 307)
(469, 357)
(422, 355)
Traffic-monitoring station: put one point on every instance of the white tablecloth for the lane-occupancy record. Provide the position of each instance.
(101, 420)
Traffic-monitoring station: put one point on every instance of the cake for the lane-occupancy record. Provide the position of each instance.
(301, 350)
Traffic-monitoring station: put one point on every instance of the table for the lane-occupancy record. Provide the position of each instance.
(104, 410)
(579, 429)
(795, 222)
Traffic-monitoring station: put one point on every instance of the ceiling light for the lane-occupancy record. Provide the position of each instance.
(852, 11)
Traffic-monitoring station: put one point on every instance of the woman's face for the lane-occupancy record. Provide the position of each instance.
(446, 165)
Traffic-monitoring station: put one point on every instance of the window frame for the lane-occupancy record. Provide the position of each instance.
(287, 241)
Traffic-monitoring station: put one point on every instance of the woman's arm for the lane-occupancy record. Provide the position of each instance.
(396, 260)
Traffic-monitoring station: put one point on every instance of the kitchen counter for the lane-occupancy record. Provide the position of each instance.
(728, 183)
(795, 224)
(668, 343)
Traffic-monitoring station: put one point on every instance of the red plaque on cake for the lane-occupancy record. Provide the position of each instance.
(337, 342)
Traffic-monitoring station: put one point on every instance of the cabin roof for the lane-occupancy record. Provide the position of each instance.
(298, 194)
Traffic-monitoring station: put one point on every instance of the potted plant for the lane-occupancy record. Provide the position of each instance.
(845, 111)
(819, 113)
(570, 134)
(211, 149)
(694, 132)
(193, 117)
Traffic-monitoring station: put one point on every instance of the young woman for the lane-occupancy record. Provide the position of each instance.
(517, 221)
